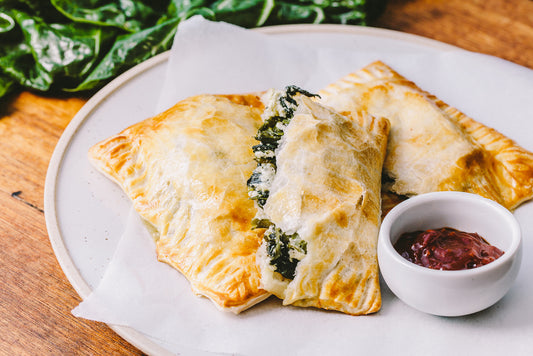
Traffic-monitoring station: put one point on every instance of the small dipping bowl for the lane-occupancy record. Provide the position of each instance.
(442, 292)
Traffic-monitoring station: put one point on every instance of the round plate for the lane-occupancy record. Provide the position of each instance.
(74, 215)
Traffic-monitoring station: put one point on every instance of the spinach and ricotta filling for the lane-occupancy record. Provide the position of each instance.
(284, 250)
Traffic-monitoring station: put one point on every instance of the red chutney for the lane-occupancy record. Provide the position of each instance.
(446, 249)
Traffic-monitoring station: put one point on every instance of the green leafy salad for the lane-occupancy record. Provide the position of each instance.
(81, 45)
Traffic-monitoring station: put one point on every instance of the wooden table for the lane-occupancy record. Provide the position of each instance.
(36, 298)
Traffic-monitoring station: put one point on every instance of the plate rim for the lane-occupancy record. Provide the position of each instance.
(69, 268)
(80, 285)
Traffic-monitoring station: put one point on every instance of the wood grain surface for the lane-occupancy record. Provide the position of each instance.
(35, 296)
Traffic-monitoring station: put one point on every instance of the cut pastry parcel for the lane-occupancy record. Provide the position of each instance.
(433, 146)
(317, 185)
(185, 174)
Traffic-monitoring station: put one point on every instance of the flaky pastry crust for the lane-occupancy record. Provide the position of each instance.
(327, 189)
(433, 146)
(185, 174)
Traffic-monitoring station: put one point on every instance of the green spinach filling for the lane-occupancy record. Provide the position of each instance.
(284, 250)
(269, 135)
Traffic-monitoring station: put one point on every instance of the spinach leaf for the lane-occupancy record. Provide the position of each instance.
(6, 85)
(355, 12)
(77, 45)
(42, 9)
(183, 9)
(294, 13)
(18, 63)
(129, 50)
(245, 13)
(131, 16)
(6, 23)
(60, 52)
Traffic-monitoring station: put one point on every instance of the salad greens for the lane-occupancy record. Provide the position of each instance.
(80, 45)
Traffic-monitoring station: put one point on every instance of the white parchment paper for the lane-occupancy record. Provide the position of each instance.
(207, 57)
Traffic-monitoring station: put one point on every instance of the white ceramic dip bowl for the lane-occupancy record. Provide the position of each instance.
(459, 292)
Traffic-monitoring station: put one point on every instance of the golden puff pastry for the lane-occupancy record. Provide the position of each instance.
(432, 146)
(323, 207)
(185, 171)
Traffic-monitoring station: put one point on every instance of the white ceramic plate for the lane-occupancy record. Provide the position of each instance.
(84, 227)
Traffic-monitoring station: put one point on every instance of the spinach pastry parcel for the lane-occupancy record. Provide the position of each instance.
(185, 174)
(433, 146)
(317, 185)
